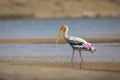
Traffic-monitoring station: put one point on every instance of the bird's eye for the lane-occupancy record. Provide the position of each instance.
(62, 28)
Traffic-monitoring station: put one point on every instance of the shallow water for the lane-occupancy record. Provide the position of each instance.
(58, 53)
(62, 52)
(50, 28)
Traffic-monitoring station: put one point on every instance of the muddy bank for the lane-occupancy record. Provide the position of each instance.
(56, 71)
(104, 66)
(45, 9)
(52, 40)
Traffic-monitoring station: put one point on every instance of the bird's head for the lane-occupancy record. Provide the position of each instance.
(62, 29)
(90, 47)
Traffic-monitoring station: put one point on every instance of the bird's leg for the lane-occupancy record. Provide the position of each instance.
(72, 58)
(81, 59)
(72, 55)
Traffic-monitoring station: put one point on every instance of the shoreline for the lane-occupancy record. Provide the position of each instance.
(52, 40)
(43, 9)
(99, 66)
(14, 70)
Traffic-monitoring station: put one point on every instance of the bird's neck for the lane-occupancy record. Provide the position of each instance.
(66, 33)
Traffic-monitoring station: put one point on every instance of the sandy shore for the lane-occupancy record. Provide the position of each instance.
(16, 70)
(45, 9)
(52, 40)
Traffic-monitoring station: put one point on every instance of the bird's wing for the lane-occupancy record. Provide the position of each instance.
(75, 40)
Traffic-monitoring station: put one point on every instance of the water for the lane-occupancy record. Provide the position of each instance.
(50, 28)
(57, 53)
(62, 52)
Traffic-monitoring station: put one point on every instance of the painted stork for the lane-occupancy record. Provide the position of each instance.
(75, 42)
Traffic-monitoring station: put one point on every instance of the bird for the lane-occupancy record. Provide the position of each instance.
(76, 43)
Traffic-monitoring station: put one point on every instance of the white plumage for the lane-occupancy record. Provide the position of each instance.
(75, 42)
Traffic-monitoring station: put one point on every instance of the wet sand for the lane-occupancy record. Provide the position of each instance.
(22, 70)
(52, 40)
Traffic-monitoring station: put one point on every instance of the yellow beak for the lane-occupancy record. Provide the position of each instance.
(58, 38)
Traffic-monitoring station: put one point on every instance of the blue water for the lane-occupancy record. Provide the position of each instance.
(50, 28)
(57, 53)
(10, 29)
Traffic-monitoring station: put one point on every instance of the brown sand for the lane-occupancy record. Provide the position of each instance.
(16, 70)
(44, 9)
(52, 40)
